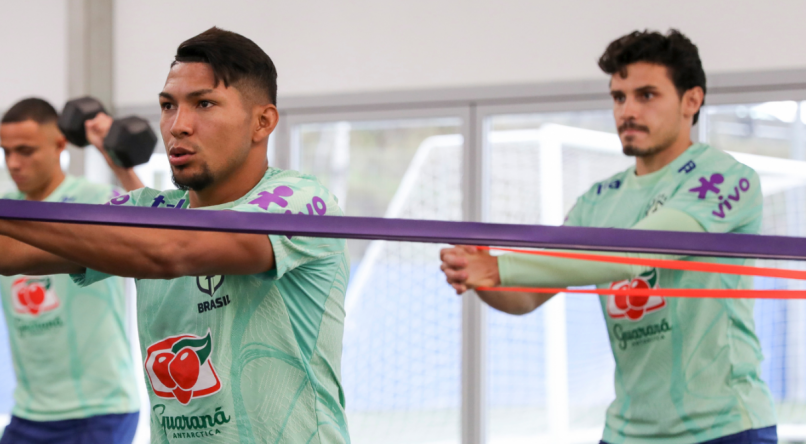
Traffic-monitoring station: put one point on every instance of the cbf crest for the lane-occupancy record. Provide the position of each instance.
(209, 284)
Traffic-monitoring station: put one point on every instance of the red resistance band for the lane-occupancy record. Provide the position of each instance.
(666, 292)
(705, 267)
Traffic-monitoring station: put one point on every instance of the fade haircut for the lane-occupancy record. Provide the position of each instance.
(673, 50)
(38, 110)
(235, 60)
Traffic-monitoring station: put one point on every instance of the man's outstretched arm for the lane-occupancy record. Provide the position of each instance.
(140, 252)
(20, 258)
(467, 268)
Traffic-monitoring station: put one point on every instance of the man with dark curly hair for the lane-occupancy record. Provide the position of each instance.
(687, 370)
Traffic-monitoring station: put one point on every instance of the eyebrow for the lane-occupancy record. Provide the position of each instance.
(191, 95)
(19, 147)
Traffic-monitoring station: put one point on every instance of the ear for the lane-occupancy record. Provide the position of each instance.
(692, 101)
(61, 142)
(267, 118)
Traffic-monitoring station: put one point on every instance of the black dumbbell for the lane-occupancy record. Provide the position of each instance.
(130, 141)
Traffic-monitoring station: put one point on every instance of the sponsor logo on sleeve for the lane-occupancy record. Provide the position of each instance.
(180, 367)
(688, 167)
(708, 186)
(266, 198)
(614, 185)
(33, 295)
(735, 196)
(634, 307)
(120, 200)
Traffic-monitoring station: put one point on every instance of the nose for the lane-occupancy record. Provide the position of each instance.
(629, 109)
(13, 162)
(182, 125)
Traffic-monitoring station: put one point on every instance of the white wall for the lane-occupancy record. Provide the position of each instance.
(33, 51)
(365, 45)
(362, 45)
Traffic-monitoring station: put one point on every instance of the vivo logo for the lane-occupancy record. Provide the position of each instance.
(725, 204)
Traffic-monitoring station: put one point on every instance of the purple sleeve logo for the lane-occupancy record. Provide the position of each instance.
(708, 185)
(266, 198)
(120, 200)
(317, 205)
(736, 196)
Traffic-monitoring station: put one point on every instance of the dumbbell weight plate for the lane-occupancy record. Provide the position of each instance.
(75, 113)
(130, 141)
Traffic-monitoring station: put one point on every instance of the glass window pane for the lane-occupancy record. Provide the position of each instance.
(558, 355)
(402, 339)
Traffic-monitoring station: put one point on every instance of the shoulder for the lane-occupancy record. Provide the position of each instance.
(713, 171)
(287, 191)
(12, 195)
(710, 159)
(149, 197)
(721, 193)
(84, 191)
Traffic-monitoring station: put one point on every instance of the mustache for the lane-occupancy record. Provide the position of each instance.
(630, 125)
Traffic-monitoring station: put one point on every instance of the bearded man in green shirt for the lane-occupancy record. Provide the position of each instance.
(241, 334)
(696, 378)
(75, 376)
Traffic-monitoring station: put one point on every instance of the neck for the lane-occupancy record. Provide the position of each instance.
(234, 185)
(48, 188)
(655, 162)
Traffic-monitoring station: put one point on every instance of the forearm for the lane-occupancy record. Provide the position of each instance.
(20, 258)
(128, 252)
(514, 302)
(147, 253)
(523, 270)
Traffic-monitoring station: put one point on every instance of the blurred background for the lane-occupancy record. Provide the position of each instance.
(453, 110)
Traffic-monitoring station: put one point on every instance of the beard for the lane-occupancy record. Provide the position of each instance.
(634, 151)
(196, 182)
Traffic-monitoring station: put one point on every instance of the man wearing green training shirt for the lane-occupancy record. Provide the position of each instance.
(75, 377)
(241, 334)
(687, 370)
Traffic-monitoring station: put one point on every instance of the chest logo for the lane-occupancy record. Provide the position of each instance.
(33, 295)
(634, 307)
(180, 367)
(209, 284)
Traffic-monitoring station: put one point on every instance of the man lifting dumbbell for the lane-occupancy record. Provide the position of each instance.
(125, 143)
(75, 375)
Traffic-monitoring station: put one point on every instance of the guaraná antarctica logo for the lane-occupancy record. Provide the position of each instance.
(180, 367)
(634, 307)
(33, 295)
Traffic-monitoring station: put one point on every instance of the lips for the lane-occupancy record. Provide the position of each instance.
(179, 156)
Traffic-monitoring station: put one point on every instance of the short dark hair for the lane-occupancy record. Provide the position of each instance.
(673, 50)
(38, 110)
(234, 59)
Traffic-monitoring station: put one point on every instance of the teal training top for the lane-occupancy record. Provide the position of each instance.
(687, 370)
(71, 355)
(249, 358)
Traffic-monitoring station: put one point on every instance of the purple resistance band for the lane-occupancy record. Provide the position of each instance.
(469, 233)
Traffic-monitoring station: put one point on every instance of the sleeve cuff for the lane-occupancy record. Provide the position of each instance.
(88, 278)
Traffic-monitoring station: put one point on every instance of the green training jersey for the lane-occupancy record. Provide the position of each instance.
(687, 370)
(252, 358)
(71, 355)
